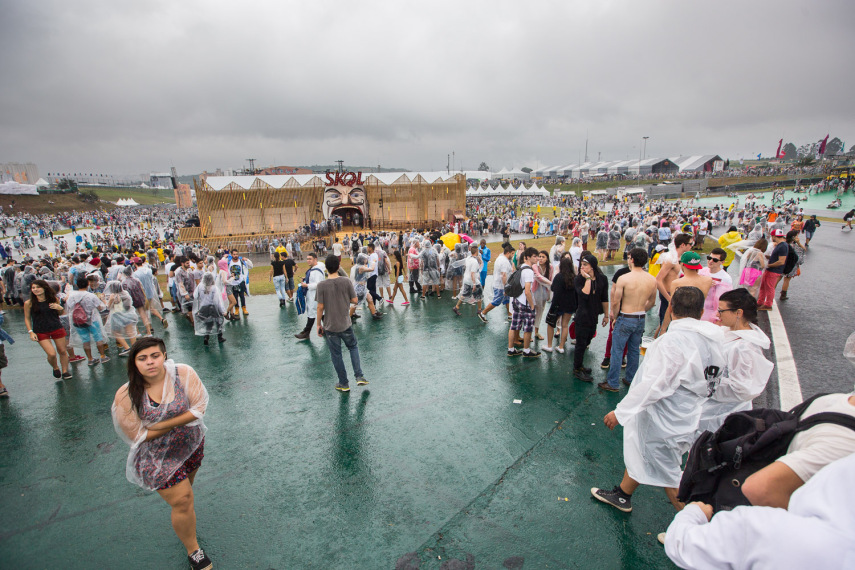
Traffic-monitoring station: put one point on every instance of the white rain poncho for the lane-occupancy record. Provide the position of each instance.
(456, 261)
(152, 463)
(147, 280)
(814, 531)
(660, 414)
(743, 245)
(429, 261)
(755, 260)
(122, 318)
(209, 309)
(745, 377)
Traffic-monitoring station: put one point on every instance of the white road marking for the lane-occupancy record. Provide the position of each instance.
(788, 378)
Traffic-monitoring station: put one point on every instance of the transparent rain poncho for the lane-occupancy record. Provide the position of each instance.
(360, 279)
(209, 309)
(456, 261)
(122, 317)
(152, 463)
(429, 261)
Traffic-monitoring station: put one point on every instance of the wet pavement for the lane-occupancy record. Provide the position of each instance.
(432, 465)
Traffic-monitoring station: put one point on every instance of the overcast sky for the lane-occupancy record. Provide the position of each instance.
(131, 87)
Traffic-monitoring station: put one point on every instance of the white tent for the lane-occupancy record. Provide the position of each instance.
(18, 189)
(127, 202)
(42, 183)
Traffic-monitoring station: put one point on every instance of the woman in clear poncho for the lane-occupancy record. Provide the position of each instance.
(429, 274)
(454, 273)
(359, 274)
(209, 308)
(122, 318)
(159, 412)
(752, 263)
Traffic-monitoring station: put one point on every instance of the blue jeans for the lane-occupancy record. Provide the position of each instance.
(626, 332)
(279, 285)
(334, 344)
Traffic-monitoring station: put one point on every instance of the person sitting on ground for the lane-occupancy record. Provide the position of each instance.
(661, 412)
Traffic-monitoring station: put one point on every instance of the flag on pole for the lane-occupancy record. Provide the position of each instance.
(822, 144)
(778, 152)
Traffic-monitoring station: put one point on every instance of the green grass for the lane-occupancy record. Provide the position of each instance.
(142, 195)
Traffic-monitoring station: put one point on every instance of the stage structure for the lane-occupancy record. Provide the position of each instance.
(246, 206)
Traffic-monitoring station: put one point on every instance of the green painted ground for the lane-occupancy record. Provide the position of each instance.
(431, 461)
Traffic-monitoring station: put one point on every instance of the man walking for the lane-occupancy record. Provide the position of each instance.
(632, 296)
(314, 276)
(661, 412)
(502, 270)
(774, 271)
(485, 259)
(334, 297)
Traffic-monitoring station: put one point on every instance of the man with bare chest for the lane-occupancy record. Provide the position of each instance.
(632, 296)
(690, 261)
(670, 270)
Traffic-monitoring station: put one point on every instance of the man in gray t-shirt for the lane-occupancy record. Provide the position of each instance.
(334, 297)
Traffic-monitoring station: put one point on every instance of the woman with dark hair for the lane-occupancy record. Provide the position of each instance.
(540, 289)
(592, 294)
(41, 315)
(747, 369)
(399, 278)
(563, 302)
(159, 412)
(797, 248)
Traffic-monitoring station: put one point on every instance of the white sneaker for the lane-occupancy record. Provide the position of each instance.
(546, 349)
(559, 350)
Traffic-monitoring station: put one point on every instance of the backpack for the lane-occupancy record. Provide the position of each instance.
(720, 462)
(514, 287)
(792, 260)
(79, 318)
(300, 298)
(137, 296)
(381, 262)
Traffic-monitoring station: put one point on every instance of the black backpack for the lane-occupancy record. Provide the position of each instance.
(514, 287)
(720, 462)
(792, 260)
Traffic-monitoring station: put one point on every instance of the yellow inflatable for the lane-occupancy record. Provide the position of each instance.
(450, 240)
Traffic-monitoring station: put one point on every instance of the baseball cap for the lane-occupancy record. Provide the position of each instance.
(778, 233)
(661, 247)
(691, 260)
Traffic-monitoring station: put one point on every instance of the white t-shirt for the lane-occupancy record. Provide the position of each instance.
(526, 276)
(815, 448)
(470, 265)
(336, 249)
(169, 278)
(502, 270)
(372, 261)
(722, 276)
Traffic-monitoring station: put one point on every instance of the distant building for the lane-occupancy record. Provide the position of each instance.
(277, 170)
(22, 173)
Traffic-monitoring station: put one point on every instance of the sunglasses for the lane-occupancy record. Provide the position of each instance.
(711, 258)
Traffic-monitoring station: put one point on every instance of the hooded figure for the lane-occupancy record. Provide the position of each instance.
(429, 261)
(360, 278)
(209, 310)
(745, 376)
(662, 410)
(122, 319)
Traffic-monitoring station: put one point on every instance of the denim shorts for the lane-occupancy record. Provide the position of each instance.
(499, 298)
(92, 333)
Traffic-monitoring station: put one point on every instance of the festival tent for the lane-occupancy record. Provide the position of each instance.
(18, 189)
(619, 167)
(697, 163)
(127, 202)
(42, 183)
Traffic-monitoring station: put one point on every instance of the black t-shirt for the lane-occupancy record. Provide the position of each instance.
(591, 305)
(781, 250)
(290, 264)
(278, 268)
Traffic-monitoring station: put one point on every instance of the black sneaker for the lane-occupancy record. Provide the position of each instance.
(606, 363)
(342, 387)
(531, 354)
(361, 381)
(605, 386)
(456, 311)
(200, 561)
(57, 373)
(582, 375)
(482, 317)
(623, 364)
(616, 498)
(377, 316)
(514, 352)
(625, 382)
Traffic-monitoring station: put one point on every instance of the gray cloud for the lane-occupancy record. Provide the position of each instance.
(130, 87)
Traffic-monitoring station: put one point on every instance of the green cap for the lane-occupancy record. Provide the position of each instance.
(691, 260)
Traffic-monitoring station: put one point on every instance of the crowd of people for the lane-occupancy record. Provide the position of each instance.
(705, 360)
